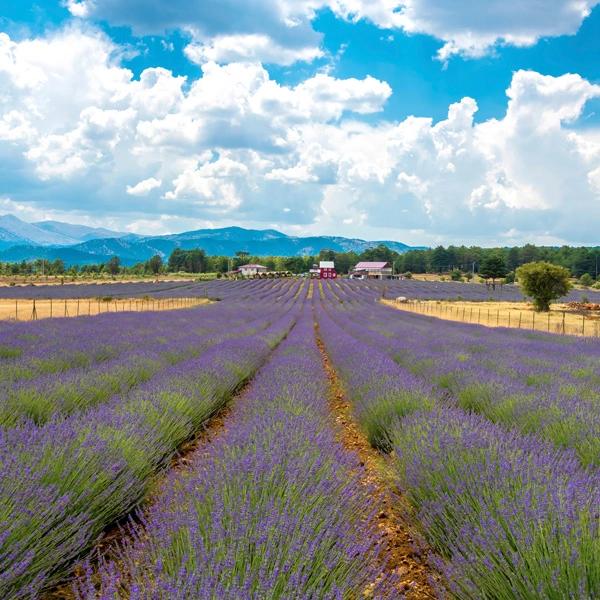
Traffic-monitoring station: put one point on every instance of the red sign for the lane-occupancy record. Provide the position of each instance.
(327, 274)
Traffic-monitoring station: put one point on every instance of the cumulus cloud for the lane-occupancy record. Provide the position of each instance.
(144, 187)
(234, 145)
(473, 29)
(78, 8)
(272, 31)
(248, 47)
(280, 31)
(468, 28)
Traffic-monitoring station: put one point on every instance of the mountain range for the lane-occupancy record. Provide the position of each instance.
(79, 244)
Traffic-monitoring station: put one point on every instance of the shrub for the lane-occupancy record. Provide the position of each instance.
(586, 279)
(543, 282)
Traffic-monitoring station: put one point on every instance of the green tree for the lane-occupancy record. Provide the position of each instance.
(586, 279)
(113, 266)
(155, 264)
(513, 260)
(493, 267)
(440, 260)
(543, 282)
(380, 253)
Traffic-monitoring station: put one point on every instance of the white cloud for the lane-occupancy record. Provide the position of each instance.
(144, 187)
(250, 48)
(473, 29)
(235, 145)
(78, 8)
(280, 31)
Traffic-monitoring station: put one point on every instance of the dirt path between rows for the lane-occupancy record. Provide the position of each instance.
(401, 553)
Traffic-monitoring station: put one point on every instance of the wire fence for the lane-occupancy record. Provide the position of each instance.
(557, 321)
(34, 309)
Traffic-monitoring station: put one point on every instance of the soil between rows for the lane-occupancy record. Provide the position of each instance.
(401, 554)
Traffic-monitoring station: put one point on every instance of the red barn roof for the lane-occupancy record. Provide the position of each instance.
(370, 265)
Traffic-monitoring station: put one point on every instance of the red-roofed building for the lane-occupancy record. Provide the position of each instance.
(252, 270)
(371, 270)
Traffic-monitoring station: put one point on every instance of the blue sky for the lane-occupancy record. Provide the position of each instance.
(419, 120)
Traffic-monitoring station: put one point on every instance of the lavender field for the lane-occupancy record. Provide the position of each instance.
(295, 439)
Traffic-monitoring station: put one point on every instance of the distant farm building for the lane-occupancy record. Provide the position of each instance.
(251, 270)
(371, 270)
(327, 269)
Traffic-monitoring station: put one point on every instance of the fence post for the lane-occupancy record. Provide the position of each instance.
(509, 317)
(66, 311)
(77, 306)
(533, 321)
(34, 312)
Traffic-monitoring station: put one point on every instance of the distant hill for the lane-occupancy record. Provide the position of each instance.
(132, 249)
(79, 233)
(49, 233)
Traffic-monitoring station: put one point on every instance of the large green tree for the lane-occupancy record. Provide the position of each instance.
(113, 266)
(543, 282)
(493, 267)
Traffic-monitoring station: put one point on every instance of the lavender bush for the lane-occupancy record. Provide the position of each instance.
(272, 510)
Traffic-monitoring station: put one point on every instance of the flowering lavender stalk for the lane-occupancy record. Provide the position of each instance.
(272, 510)
(540, 383)
(63, 483)
(381, 391)
(512, 515)
(57, 395)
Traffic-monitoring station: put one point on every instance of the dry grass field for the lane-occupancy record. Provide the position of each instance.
(29, 310)
(561, 319)
(26, 280)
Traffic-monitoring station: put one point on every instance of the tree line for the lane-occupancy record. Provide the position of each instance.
(457, 261)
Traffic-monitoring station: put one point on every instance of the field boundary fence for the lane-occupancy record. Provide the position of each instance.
(560, 322)
(24, 309)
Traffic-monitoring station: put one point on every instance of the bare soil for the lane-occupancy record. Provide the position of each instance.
(401, 554)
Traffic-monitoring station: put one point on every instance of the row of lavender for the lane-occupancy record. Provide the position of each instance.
(67, 478)
(410, 288)
(162, 289)
(273, 509)
(151, 343)
(535, 382)
(510, 515)
(83, 361)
